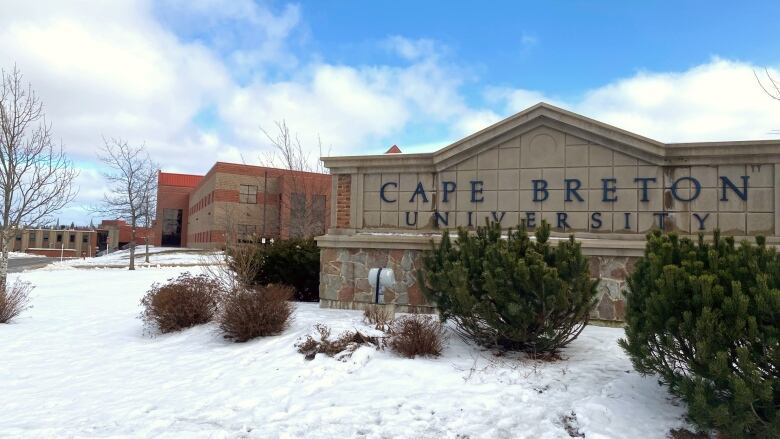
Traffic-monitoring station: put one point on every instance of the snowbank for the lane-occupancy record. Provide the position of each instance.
(79, 365)
(157, 255)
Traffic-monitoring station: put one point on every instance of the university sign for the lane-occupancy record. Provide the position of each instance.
(571, 194)
(607, 186)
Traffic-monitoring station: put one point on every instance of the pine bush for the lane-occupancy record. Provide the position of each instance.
(511, 292)
(704, 316)
(294, 262)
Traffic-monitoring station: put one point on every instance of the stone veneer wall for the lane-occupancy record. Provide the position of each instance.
(344, 280)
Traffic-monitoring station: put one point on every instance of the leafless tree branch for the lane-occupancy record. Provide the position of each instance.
(772, 87)
(132, 181)
(36, 177)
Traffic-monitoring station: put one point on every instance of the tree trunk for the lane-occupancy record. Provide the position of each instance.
(3, 263)
(132, 248)
(146, 240)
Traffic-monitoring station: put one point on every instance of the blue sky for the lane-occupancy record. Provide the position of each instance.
(195, 80)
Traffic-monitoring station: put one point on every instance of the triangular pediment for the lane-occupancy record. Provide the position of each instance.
(543, 134)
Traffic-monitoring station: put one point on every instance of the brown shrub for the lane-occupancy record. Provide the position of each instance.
(182, 302)
(14, 300)
(260, 312)
(417, 334)
(342, 347)
(378, 315)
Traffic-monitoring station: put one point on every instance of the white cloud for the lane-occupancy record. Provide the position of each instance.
(111, 71)
(719, 100)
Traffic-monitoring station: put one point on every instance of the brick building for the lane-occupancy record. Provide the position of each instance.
(239, 202)
(69, 243)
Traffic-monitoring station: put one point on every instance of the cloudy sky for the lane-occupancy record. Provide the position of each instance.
(196, 80)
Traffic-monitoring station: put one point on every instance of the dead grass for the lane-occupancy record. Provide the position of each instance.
(571, 425)
(14, 300)
(341, 348)
(379, 316)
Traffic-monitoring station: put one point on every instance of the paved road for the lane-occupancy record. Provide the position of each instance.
(16, 265)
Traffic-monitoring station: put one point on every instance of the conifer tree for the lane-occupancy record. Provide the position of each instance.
(511, 292)
(704, 317)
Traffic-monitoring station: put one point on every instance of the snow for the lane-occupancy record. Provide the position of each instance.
(19, 255)
(162, 256)
(79, 364)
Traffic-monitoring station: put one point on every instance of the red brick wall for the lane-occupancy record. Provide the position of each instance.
(343, 195)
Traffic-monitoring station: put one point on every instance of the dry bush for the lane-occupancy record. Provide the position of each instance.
(378, 315)
(417, 334)
(259, 312)
(341, 348)
(182, 302)
(14, 300)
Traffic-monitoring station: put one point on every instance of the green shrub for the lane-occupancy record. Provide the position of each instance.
(703, 316)
(294, 262)
(513, 292)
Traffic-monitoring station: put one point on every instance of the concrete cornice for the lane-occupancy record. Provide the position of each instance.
(614, 245)
(543, 114)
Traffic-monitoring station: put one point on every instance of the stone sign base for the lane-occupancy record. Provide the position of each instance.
(347, 258)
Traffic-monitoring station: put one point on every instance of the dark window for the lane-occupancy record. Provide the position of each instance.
(85, 238)
(59, 237)
(171, 227)
(298, 215)
(18, 236)
(246, 232)
(72, 238)
(318, 214)
(247, 194)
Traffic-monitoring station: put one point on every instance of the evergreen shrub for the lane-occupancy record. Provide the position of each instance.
(511, 292)
(294, 262)
(704, 317)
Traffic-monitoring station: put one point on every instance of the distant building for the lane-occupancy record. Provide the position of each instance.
(76, 242)
(115, 234)
(234, 201)
(69, 243)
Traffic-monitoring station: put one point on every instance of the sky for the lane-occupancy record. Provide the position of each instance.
(197, 81)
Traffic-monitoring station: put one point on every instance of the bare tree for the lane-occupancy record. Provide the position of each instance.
(308, 212)
(130, 176)
(36, 177)
(149, 206)
(770, 85)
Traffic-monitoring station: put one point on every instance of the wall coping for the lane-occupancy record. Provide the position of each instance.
(615, 245)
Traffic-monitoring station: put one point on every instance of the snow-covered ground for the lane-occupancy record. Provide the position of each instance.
(166, 256)
(18, 255)
(79, 365)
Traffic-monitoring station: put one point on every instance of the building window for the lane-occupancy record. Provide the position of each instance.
(72, 238)
(246, 232)
(248, 194)
(85, 238)
(59, 237)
